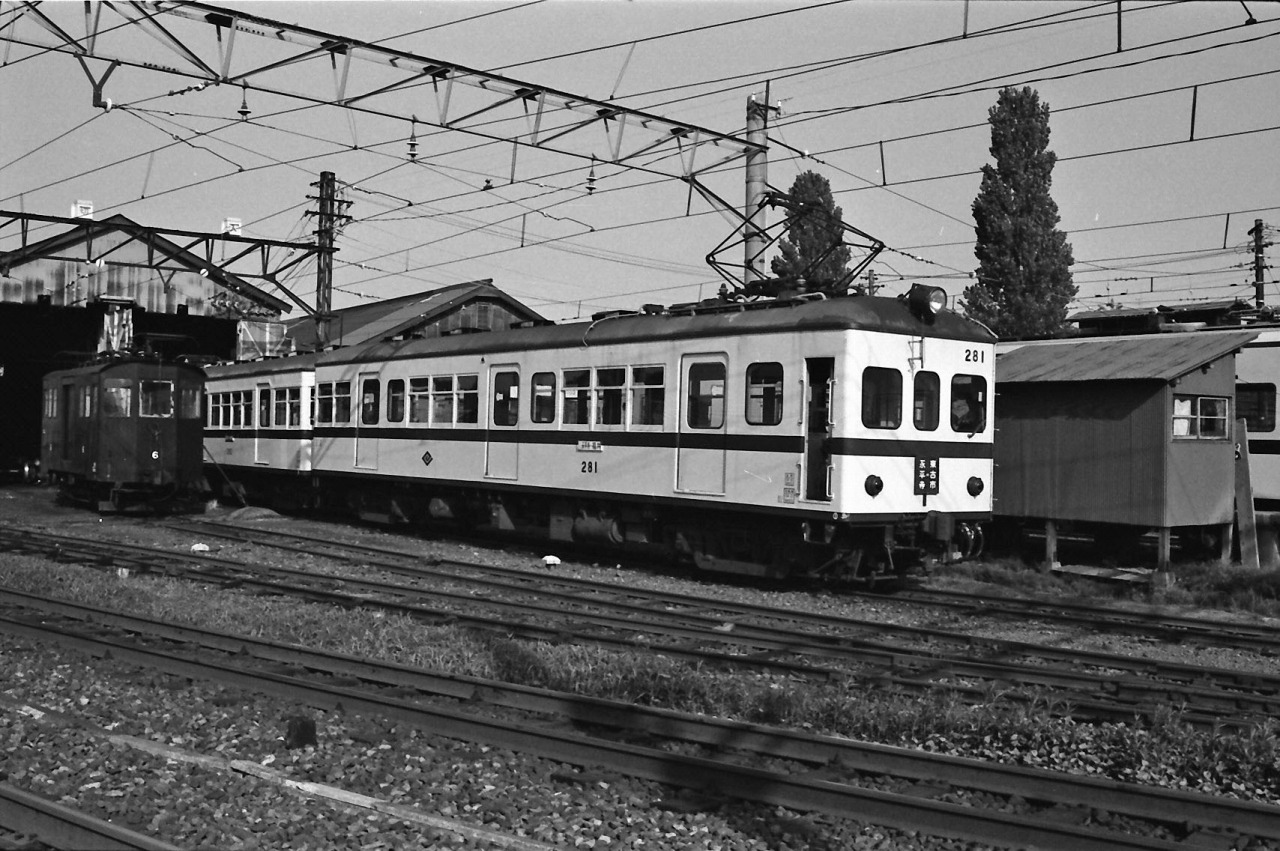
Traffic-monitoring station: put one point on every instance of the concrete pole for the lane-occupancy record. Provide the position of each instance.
(757, 185)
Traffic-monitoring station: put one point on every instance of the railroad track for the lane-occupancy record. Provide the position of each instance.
(817, 773)
(31, 818)
(694, 628)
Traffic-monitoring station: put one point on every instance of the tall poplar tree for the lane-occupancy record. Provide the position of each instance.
(813, 253)
(1024, 272)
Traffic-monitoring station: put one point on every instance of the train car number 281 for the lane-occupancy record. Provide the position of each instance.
(975, 356)
(590, 466)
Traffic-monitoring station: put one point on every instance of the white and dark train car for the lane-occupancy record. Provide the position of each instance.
(124, 434)
(840, 436)
(257, 436)
(1257, 374)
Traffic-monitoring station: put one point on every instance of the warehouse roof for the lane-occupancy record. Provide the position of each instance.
(1162, 357)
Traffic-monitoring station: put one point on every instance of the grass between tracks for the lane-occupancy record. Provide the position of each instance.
(1163, 752)
(1201, 585)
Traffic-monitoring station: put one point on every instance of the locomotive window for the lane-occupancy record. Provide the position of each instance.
(648, 395)
(50, 402)
(881, 397)
(610, 395)
(1203, 417)
(264, 407)
(395, 400)
(469, 399)
(117, 397)
(189, 399)
(1257, 404)
(155, 399)
(577, 397)
(706, 395)
(419, 400)
(370, 399)
(764, 393)
(506, 398)
(969, 404)
(928, 392)
(543, 404)
(86, 401)
(442, 400)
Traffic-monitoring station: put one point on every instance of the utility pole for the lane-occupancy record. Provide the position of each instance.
(1259, 296)
(757, 187)
(326, 226)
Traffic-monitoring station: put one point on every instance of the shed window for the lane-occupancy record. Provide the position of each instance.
(1257, 404)
(924, 407)
(969, 404)
(1200, 417)
(764, 393)
(881, 397)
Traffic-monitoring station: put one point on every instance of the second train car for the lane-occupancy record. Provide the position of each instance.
(843, 436)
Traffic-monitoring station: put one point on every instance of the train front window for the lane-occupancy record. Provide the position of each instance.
(1257, 404)
(764, 393)
(881, 397)
(924, 409)
(969, 404)
(117, 397)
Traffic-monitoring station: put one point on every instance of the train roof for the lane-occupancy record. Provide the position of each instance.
(852, 313)
(125, 362)
(268, 366)
(1161, 357)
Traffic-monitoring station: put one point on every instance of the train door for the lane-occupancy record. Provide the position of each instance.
(370, 389)
(261, 447)
(820, 383)
(502, 432)
(702, 439)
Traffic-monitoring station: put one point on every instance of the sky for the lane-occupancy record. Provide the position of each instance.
(1165, 118)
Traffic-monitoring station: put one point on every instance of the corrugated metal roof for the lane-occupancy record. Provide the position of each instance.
(1162, 357)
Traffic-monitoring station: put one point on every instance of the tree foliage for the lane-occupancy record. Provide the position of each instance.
(1024, 273)
(814, 256)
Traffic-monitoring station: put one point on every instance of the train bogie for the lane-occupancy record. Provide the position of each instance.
(125, 433)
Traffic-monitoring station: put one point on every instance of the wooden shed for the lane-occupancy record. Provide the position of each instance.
(1118, 434)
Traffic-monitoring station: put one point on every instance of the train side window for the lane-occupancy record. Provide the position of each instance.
(648, 395)
(577, 397)
(468, 399)
(395, 400)
(280, 406)
(419, 400)
(370, 400)
(86, 401)
(1257, 404)
(610, 396)
(1200, 417)
(244, 408)
(506, 398)
(50, 402)
(928, 394)
(442, 400)
(342, 401)
(117, 397)
(543, 401)
(881, 397)
(189, 399)
(706, 395)
(295, 406)
(264, 407)
(764, 393)
(324, 402)
(968, 404)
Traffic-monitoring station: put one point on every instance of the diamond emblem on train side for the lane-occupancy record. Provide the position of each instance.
(427, 459)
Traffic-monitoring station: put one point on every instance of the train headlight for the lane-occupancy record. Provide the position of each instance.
(975, 486)
(874, 484)
(926, 302)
